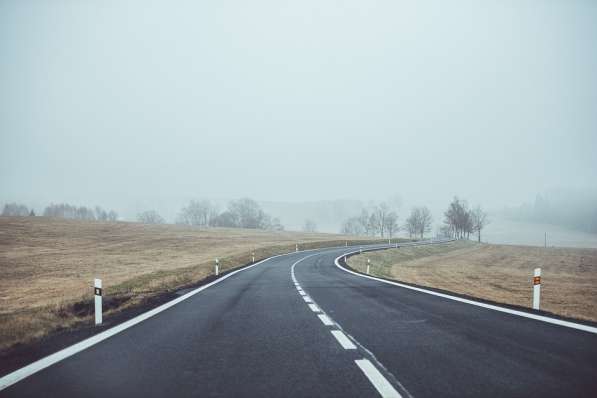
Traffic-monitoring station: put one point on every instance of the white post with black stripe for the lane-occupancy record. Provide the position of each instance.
(217, 267)
(368, 266)
(536, 288)
(98, 301)
(253, 257)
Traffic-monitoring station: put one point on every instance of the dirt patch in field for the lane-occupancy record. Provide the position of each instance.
(500, 273)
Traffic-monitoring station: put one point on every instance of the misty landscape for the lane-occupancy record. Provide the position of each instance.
(204, 161)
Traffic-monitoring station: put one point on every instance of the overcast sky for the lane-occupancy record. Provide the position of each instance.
(112, 102)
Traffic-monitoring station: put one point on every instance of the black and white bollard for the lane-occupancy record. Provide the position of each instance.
(296, 248)
(98, 301)
(253, 257)
(536, 288)
(217, 267)
(368, 266)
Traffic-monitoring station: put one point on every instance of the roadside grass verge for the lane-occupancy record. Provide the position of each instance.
(499, 273)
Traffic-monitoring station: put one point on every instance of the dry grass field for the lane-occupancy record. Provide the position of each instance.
(47, 266)
(500, 273)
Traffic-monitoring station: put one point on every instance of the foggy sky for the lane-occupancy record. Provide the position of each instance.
(117, 102)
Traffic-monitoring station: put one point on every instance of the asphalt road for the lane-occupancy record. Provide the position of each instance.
(298, 326)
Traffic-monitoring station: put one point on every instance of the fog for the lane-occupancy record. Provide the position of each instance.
(147, 104)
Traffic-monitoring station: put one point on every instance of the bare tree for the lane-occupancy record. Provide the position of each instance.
(196, 213)
(424, 221)
(419, 221)
(391, 223)
(412, 222)
(309, 226)
(352, 226)
(378, 218)
(459, 219)
(479, 221)
(248, 213)
(150, 217)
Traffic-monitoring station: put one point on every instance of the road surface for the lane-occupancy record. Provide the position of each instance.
(299, 326)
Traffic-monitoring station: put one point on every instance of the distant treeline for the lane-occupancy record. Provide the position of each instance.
(241, 213)
(577, 212)
(62, 210)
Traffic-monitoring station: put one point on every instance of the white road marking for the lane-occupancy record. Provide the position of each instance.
(314, 308)
(375, 377)
(26, 371)
(381, 384)
(307, 299)
(343, 340)
(326, 320)
(542, 318)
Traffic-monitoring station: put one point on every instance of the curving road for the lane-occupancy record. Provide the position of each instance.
(299, 326)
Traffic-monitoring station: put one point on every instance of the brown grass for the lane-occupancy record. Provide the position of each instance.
(500, 273)
(47, 265)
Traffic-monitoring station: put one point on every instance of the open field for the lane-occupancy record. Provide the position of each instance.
(47, 266)
(500, 273)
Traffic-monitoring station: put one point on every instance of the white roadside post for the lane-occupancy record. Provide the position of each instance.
(360, 250)
(389, 242)
(346, 244)
(368, 265)
(217, 266)
(296, 248)
(536, 288)
(253, 257)
(98, 301)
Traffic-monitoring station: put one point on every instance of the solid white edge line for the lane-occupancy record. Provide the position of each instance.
(381, 384)
(28, 370)
(314, 307)
(542, 318)
(325, 320)
(343, 340)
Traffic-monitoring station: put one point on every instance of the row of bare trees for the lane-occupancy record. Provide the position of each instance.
(16, 210)
(378, 221)
(460, 221)
(62, 210)
(241, 213)
(65, 210)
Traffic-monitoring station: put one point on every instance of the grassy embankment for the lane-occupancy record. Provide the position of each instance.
(500, 273)
(47, 266)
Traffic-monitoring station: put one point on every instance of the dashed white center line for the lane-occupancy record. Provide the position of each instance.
(314, 308)
(380, 383)
(343, 340)
(326, 320)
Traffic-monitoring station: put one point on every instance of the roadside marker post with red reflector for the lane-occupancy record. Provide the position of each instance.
(97, 291)
(536, 288)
